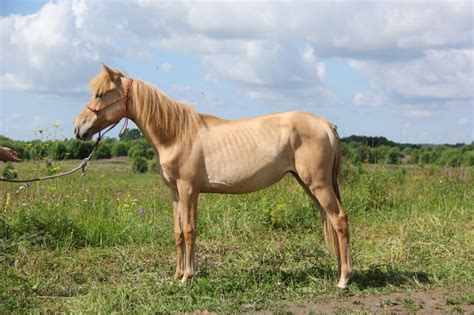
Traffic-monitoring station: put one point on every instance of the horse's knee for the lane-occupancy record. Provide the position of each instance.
(189, 234)
(179, 238)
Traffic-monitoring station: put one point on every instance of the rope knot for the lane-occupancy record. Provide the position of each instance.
(84, 163)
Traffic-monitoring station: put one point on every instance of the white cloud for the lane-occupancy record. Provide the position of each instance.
(439, 80)
(166, 67)
(15, 116)
(43, 53)
(463, 121)
(190, 95)
(272, 72)
(362, 99)
(412, 53)
(418, 113)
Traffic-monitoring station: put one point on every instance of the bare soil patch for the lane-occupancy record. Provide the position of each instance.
(434, 302)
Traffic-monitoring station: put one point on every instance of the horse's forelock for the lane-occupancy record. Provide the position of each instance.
(101, 83)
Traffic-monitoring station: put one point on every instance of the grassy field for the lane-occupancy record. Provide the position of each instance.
(105, 242)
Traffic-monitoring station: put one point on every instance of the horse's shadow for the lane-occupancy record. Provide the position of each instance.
(372, 276)
(379, 276)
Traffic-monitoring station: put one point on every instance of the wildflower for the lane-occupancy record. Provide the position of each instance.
(463, 175)
(141, 211)
(7, 203)
(20, 189)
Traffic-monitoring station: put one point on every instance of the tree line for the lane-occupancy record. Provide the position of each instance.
(379, 150)
(356, 149)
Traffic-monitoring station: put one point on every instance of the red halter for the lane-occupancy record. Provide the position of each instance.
(125, 98)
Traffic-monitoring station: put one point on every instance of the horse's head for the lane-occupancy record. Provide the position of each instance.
(110, 92)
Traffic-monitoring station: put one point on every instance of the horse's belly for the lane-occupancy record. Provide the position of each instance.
(245, 174)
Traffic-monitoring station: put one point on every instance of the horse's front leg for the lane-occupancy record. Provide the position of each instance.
(188, 206)
(178, 233)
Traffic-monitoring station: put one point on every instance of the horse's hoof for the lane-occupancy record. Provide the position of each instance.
(178, 275)
(187, 277)
(185, 280)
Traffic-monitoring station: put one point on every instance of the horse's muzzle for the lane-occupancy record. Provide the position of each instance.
(85, 136)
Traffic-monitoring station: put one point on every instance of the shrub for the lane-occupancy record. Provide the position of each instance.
(150, 153)
(119, 149)
(138, 149)
(38, 149)
(393, 156)
(9, 171)
(59, 151)
(357, 155)
(80, 149)
(140, 165)
(414, 156)
(469, 158)
(152, 167)
(426, 157)
(104, 151)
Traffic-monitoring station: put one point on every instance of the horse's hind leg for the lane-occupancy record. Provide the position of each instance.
(338, 218)
(336, 232)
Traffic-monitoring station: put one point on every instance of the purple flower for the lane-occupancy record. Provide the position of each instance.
(463, 175)
(141, 211)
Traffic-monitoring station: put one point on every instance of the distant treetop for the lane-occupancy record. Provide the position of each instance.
(131, 134)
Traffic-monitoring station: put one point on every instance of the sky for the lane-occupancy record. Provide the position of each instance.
(399, 69)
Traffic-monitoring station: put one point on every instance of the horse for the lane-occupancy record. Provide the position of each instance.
(199, 153)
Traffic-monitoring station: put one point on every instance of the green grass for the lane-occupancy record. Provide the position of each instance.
(82, 244)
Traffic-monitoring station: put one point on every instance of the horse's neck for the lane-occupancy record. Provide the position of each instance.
(153, 136)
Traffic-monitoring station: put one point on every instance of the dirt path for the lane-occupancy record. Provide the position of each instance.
(399, 303)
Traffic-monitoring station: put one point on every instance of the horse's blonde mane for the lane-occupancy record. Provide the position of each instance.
(168, 119)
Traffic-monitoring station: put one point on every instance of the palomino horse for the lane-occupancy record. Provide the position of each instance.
(199, 153)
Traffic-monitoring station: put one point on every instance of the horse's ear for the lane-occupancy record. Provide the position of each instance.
(112, 75)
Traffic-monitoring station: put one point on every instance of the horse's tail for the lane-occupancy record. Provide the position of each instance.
(330, 235)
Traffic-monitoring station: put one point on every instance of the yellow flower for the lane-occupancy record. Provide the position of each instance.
(7, 203)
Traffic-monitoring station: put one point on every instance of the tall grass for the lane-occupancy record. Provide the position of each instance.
(105, 242)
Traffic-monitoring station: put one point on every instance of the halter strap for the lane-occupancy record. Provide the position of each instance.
(125, 98)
